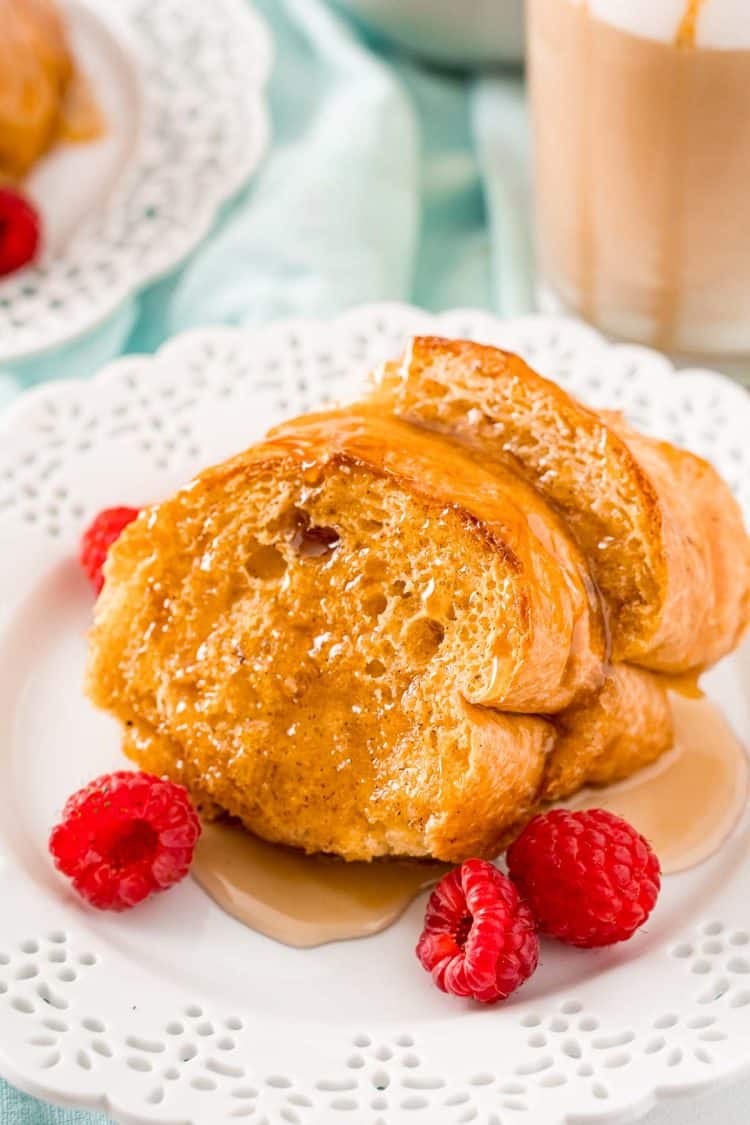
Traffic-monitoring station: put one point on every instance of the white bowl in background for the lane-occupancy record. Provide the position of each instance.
(472, 33)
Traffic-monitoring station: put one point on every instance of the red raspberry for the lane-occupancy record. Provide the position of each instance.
(589, 877)
(478, 938)
(20, 231)
(99, 537)
(125, 836)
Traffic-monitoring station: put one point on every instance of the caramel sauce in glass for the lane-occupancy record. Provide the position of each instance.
(687, 29)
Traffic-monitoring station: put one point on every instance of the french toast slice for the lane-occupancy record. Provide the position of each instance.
(309, 636)
(377, 632)
(663, 534)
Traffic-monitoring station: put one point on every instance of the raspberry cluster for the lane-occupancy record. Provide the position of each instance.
(586, 878)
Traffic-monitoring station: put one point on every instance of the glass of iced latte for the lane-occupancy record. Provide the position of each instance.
(642, 164)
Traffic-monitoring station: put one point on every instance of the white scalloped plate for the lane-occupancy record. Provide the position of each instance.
(176, 1013)
(181, 84)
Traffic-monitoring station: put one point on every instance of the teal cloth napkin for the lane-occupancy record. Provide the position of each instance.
(385, 180)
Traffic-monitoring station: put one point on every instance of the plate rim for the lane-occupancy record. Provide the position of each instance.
(170, 356)
(665, 368)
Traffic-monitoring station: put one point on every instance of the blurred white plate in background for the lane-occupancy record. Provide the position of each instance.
(74, 180)
(181, 84)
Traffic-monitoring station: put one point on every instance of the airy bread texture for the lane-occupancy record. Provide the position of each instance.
(299, 633)
(365, 637)
(662, 532)
(35, 71)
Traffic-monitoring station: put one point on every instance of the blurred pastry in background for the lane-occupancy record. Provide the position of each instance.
(43, 97)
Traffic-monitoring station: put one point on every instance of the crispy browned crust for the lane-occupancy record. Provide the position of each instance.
(460, 795)
(706, 598)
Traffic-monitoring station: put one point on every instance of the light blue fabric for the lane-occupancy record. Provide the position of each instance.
(384, 181)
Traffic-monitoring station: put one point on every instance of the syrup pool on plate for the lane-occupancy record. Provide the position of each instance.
(688, 801)
(303, 900)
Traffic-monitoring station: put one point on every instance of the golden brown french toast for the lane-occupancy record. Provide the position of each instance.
(303, 634)
(297, 633)
(369, 637)
(663, 534)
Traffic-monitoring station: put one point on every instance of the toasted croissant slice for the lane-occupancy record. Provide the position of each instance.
(618, 730)
(367, 637)
(35, 70)
(304, 634)
(708, 555)
(663, 534)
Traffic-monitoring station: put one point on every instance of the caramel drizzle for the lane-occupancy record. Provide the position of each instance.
(688, 26)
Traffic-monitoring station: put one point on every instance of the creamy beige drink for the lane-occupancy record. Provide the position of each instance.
(642, 163)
